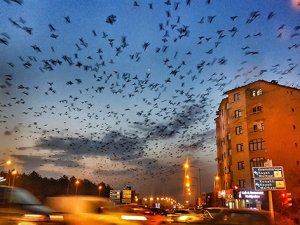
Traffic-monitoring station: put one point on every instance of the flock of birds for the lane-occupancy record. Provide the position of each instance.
(146, 122)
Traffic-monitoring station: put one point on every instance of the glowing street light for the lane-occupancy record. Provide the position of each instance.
(14, 173)
(77, 182)
(100, 188)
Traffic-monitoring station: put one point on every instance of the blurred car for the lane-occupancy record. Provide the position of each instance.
(18, 206)
(90, 210)
(216, 215)
(154, 216)
(185, 216)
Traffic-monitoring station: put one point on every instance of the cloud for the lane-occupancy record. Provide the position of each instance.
(114, 145)
(29, 162)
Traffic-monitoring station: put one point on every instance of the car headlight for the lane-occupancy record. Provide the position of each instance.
(183, 218)
(35, 217)
(56, 217)
(126, 217)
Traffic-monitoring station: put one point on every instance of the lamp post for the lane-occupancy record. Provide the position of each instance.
(77, 182)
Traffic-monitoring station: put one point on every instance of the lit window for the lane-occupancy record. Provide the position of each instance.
(237, 113)
(238, 130)
(256, 92)
(241, 165)
(239, 147)
(258, 127)
(236, 96)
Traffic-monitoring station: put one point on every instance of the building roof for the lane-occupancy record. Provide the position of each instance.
(273, 82)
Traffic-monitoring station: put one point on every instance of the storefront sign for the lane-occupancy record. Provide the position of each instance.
(252, 194)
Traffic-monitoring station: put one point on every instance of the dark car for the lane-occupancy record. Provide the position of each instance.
(18, 206)
(226, 216)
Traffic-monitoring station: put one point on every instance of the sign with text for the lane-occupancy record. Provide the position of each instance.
(274, 172)
(269, 184)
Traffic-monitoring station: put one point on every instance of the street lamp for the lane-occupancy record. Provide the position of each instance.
(186, 166)
(100, 188)
(13, 173)
(77, 182)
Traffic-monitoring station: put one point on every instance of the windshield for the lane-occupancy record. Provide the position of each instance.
(19, 196)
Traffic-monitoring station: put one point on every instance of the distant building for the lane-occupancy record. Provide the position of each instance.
(254, 123)
(115, 196)
(125, 196)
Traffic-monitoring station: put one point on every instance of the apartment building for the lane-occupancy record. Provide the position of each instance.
(255, 123)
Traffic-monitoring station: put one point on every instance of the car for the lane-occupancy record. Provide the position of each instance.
(155, 216)
(20, 207)
(185, 216)
(227, 216)
(92, 210)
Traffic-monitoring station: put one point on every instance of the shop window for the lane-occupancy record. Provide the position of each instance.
(241, 165)
(239, 147)
(236, 97)
(256, 144)
(238, 130)
(237, 113)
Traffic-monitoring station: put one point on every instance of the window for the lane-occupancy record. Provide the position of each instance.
(242, 183)
(259, 126)
(238, 130)
(241, 165)
(228, 136)
(237, 113)
(256, 144)
(236, 96)
(293, 110)
(227, 105)
(256, 92)
(257, 109)
(257, 162)
(239, 147)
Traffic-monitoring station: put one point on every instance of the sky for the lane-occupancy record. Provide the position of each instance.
(123, 92)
